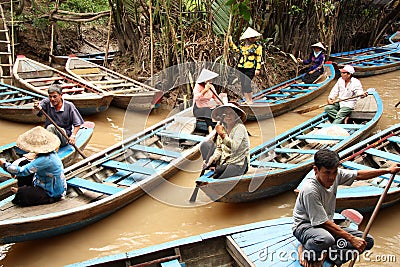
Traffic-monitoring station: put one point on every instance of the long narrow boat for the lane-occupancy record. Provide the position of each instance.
(278, 165)
(378, 151)
(67, 154)
(343, 57)
(109, 180)
(286, 96)
(16, 104)
(127, 92)
(37, 78)
(266, 243)
(97, 58)
(6, 62)
(373, 65)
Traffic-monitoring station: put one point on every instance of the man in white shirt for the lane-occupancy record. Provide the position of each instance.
(347, 86)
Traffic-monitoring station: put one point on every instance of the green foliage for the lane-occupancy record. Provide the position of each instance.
(40, 23)
(85, 6)
(242, 7)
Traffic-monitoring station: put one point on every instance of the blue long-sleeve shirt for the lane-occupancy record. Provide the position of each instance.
(48, 170)
(318, 62)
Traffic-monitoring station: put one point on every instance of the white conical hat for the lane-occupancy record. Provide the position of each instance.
(249, 33)
(319, 44)
(38, 140)
(218, 111)
(206, 75)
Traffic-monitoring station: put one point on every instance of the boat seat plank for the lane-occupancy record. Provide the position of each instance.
(119, 175)
(264, 101)
(6, 201)
(16, 99)
(63, 86)
(271, 164)
(128, 167)
(383, 154)
(135, 177)
(293, 150)
(305, 85)
(7, 182)
(93, 186)
(344, 126)
(277, 95)
(321, 137)
(44, 79)
(9, 93)
(236, 252)
(86, 71)
(108, 81)
(356, 166)
(296, 90)
(92, 75)
(158, 151)
(191, 137)
(172, 263)
(394, 139)
(115, 85)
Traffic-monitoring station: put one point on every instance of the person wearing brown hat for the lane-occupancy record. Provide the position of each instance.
(48, 183)
(317, 58)
(346, 86)
(230, 154)
(62, 112)
(250, 60)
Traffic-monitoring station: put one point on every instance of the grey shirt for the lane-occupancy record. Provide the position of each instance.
(315, 204)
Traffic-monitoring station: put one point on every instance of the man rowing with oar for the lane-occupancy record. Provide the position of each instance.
(62, 112)
(321, 239)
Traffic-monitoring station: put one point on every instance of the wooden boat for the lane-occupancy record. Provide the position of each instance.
(378, 151)
(6, 61)
(97, 58)
(68, 155)
(343, 57)
(16, 104)
(265, 243)
(286, 96)
(109, 180)
(373, 65)
(278, 165)
(127, 92)
(37, 78)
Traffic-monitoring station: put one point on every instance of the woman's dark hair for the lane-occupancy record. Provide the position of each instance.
(326, 158)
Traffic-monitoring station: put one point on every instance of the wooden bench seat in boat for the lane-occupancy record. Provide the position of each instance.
(16, 99)
(145, 162)
(63, 86)
(357, 166)
(171, 263)
(293, 90)
(72, 90)
(86, 71)
(394, 139)
(9, 93)
(44, 79)
(320, 137)
(93, 186)
(36, 74)
(271, 164)
(277, 95)
(305, 85)
(158, 151)
(186, 136)
(131, 167)
(294, 150)
(383, 154)
(344, 126)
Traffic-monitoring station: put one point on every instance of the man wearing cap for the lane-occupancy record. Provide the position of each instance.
(48, 183)
(317, 58)
(62, 112)
(346, 86)
(203, 92)
(230, 154)
(249, 61)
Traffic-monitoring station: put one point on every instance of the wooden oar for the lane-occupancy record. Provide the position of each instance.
(375, 213)
(305, 110)
(62, 132)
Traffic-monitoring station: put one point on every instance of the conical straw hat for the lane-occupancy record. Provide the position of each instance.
(319, 44)
(218, 111)
(38, 140)
(249, 33)
(206, 75)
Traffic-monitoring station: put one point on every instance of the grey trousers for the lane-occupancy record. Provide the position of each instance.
(316, 240)
(336, 113)
(51, 128)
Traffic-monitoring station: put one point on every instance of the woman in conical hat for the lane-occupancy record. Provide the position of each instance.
(203, 94)
(317, 58)
(48, 183)
(230, 154)
(250, 60)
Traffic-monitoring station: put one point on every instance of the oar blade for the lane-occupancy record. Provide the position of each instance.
(305, 110)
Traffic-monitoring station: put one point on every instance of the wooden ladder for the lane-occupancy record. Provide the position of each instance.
(6, 62)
